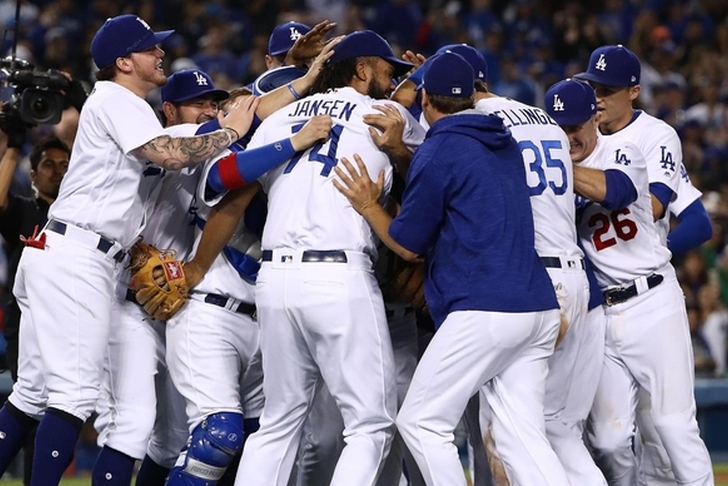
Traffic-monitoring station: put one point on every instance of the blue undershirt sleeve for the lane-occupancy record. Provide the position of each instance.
(694, 229)
(620, 190)
(663, 194)
(250, 165)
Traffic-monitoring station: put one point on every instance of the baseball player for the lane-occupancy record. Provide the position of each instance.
(572, 370)
(647, 338)
(65, 278)
(134, 367)
(485, 337)
(316, 294)
(212, 344)
(614, 72)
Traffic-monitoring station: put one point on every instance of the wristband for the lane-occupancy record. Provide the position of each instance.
(293, 91)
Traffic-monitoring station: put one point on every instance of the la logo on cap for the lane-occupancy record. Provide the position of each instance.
(558, 104)
(295, 34)
(601, 63)
(201, 81)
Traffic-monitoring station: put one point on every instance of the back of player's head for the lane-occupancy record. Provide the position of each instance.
(448, 74)
(367, 43)
(614, 66)
(189, 84)
(122, 35)
(570, 102)
(284, 36)
(275, 78)
(36, 154)
(472, 55)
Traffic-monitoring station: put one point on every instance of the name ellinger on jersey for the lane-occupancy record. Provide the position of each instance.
(524, 116)
(335, 108)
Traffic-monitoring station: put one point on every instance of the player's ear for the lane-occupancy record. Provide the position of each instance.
(123, 64)
(361, 70)
(598, 117)
(170, 111)
(634, 92)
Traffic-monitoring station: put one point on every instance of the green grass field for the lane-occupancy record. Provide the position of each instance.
(721, 478)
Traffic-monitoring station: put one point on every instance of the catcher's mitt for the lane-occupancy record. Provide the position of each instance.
(404, 282)
(158, 280)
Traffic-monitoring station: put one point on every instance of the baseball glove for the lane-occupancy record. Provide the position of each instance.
(158, 280)
(404, 282)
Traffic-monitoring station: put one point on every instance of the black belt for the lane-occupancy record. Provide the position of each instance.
(622, 294)
(131, 296)
(104, 245)
(399, 312)
(555, 262)
(314, 256)
(221, 301)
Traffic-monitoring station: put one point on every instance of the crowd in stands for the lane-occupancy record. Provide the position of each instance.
(528, 44)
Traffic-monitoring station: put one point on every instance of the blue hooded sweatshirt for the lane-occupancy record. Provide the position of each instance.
(466, 208)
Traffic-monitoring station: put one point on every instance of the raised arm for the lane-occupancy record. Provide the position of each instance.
(296, 89)
(7, 168)
(176, 153)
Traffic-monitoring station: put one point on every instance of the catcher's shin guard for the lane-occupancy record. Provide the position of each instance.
(211, 448)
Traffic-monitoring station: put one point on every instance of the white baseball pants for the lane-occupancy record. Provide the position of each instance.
(648, 345)
(505, 354)
(322, 320)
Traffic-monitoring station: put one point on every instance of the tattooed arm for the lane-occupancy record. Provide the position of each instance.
(175, 153)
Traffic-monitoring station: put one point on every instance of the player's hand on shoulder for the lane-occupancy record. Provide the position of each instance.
(386, 127)
(315, 129)
(357, 186)
(240, 114)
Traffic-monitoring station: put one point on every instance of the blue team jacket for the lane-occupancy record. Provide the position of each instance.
(466, 208)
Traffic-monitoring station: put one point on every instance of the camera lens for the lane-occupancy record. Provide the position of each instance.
(39, 107)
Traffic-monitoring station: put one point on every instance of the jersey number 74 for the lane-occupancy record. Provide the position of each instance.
(328, 159)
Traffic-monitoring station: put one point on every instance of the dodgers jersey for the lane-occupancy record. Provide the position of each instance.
(549, 173)
(305, 210)
(622, 244)
(687, 193)
(660, 145)
(101, 191)
(169, 211)
(222, 278)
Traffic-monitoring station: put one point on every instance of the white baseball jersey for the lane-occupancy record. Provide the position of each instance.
(169, 209)
(623, 244)
(660, 146)
(222, 278)
(101, 190)
(549, 173)
(325, 221)
(687, 193)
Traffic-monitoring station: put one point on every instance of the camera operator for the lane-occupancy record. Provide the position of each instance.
(20, 216)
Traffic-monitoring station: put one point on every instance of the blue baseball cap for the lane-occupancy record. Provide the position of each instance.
(368, 43)
(570, 102)
(188, 84)
(448, 74)
(284, 36)
(472, 55)
(122, 35)
(275, 78)
(614, 66)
